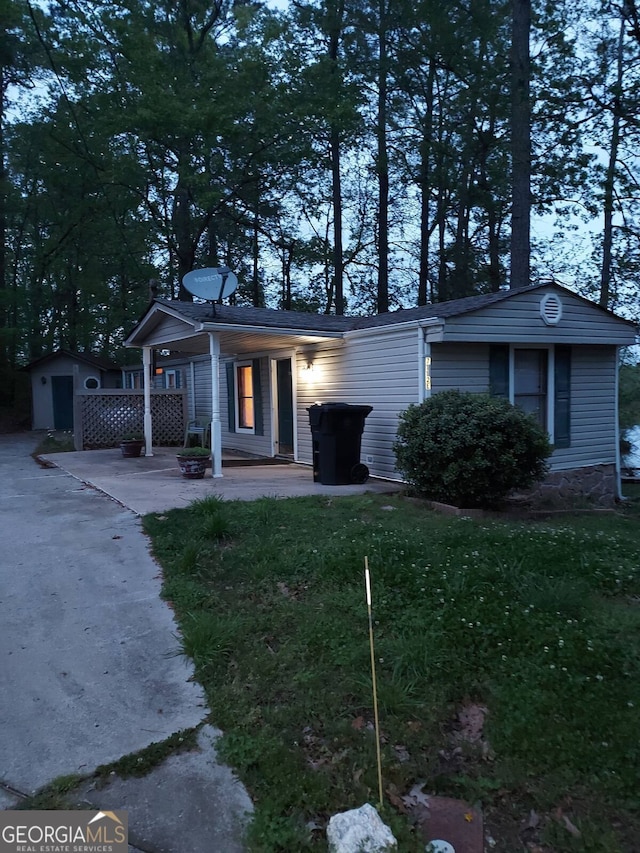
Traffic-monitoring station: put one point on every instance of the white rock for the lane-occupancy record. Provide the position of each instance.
(359, 831)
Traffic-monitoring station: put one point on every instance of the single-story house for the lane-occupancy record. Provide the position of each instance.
(55, 377)
(255, 371)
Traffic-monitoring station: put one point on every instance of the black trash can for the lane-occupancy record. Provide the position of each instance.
(336, 431)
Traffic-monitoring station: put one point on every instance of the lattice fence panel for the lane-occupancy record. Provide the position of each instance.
(108, 416)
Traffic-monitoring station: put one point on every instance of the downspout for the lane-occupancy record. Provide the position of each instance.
(216, 426)
(424, 366)
(148, 432)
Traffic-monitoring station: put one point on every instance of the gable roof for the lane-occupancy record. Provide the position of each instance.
(89, 358)
(203, 316)
(202, 312)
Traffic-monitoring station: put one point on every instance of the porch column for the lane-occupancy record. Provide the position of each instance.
(146, 363)
(216, 426)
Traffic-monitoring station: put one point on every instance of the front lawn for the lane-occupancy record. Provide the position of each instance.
(537, 622)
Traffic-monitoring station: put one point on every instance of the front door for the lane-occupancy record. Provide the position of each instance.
(62, 392)
(284, 407)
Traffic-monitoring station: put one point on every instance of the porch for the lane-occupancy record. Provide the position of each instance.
(154, 484)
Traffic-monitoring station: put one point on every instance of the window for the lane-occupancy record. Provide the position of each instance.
(134, 380)
(171, 379)
(244, 386)
(91, 383)
(244, 396)
(539, 382)
(530, 382)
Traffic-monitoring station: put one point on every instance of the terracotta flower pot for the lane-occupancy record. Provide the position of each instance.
(193, 467)
(131, 447)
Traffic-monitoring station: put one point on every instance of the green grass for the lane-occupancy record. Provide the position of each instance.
(58, 442)
(538, 621)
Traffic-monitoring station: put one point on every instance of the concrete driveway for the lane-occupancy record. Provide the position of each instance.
(89, 667)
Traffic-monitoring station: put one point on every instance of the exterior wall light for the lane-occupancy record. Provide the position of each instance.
(309, 371)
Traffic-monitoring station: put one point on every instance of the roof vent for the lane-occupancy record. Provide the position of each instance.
(551, 309)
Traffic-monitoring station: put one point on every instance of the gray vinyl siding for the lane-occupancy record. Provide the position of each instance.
(200, 395)
(168, 330)
(377, 370)
(593, 382)
(593, 411)
(518, 320)
(459, 366)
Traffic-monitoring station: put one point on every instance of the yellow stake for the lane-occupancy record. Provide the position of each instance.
(367, 580)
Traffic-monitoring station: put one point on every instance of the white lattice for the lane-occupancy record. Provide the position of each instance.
(106, 416)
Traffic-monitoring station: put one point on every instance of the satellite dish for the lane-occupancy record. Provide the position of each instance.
(211, 283)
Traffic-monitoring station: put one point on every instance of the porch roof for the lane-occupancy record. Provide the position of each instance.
(184, 327)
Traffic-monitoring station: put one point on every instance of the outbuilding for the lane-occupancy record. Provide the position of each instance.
(255, 372)
(56, 376)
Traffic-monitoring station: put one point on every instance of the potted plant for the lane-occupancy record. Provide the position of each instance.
(193, 461)
(131, 444)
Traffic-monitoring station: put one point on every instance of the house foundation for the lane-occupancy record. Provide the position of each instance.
(594, 485)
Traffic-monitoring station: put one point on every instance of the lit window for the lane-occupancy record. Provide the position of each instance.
(244, 384)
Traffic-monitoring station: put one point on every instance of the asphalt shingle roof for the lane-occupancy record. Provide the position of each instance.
(88, 357)
(202, 312)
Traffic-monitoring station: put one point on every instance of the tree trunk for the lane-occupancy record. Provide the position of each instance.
(425, 188)
(336, 182)
(382, 166)
(338, 262)
(257, 296)
(520, 145)
(609, 185)
(184, 244)
(6, 392)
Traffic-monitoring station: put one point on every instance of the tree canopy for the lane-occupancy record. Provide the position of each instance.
(341, 156)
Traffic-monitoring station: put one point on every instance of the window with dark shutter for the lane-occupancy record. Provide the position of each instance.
(231, 396)
(258, 421)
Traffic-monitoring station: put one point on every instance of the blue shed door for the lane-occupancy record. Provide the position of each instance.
(62, 391)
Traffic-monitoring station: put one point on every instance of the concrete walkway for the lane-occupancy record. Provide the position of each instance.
(154, 483)
(89, 668)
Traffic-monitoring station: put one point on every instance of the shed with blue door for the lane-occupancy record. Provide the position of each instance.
(56, 376)
(256, 371)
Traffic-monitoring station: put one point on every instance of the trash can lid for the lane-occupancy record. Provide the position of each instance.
(319, 411)
(353, 407)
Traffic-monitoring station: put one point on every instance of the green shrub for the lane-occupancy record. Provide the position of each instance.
(470, 450)
(193, 452)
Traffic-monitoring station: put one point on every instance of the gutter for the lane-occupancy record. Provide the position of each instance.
(385, 327)
(265, 330)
